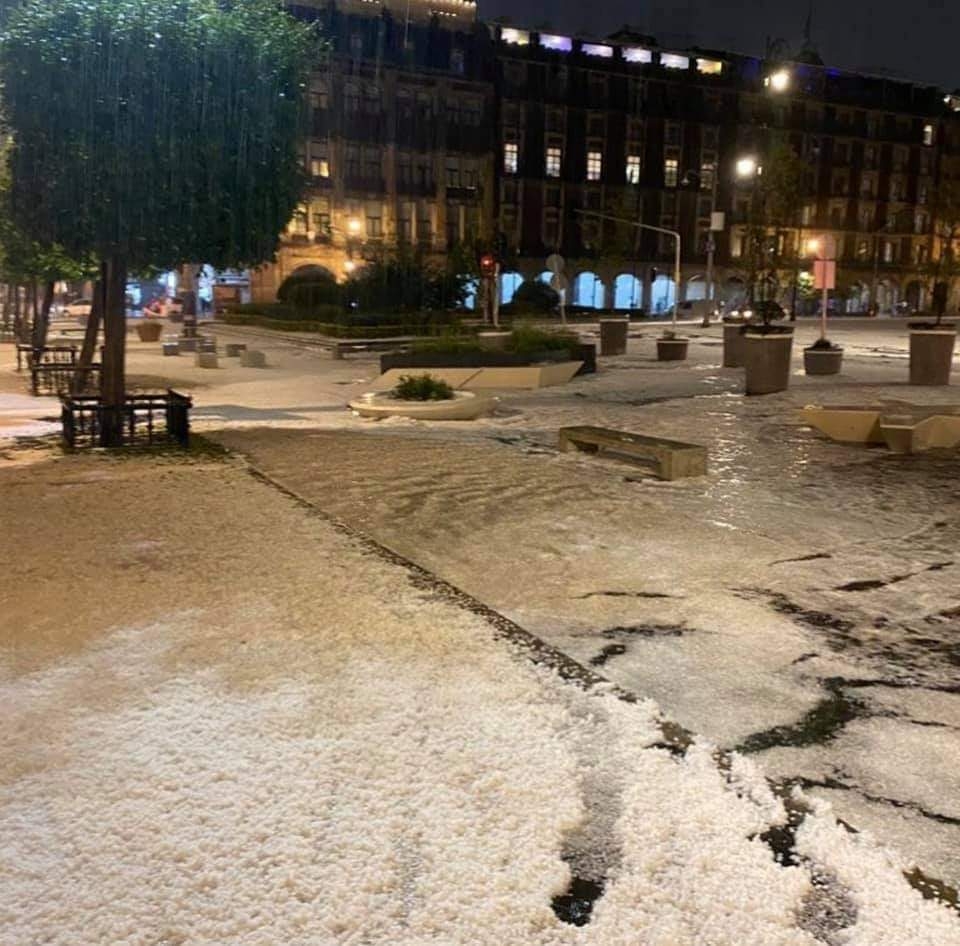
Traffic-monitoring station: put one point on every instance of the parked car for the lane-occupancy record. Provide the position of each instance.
(762, 310)
(697, 309)
(78, 309)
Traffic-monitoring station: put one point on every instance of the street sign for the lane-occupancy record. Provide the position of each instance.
(824, 274)
(718, 220)
(555, 263)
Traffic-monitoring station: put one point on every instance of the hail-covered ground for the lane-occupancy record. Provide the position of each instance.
(227, 721)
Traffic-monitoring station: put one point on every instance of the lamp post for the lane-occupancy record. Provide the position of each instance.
(748, 169)
(716, 225)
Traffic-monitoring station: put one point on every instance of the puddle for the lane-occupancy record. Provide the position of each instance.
(576, 905)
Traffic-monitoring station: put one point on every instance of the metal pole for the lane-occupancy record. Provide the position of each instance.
(823, 310)
(711, 242)
(676, 283)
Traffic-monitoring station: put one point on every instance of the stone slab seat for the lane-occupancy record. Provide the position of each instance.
(903, 427)
(668, 459)
(251, 358)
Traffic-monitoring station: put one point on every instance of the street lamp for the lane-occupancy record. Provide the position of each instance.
(747, 167)
(354, 226)
(778, 81)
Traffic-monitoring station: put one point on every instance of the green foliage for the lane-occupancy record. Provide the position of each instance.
(155, 132)
(422, 387)
(309, 287)
(331, 329)
(535, 297)
(528, 340)
(449, 344)
(403, 281)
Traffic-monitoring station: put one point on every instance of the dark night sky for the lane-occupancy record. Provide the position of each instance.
(918, 39)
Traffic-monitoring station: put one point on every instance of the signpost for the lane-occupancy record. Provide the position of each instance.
(825, 276)
(559, 282)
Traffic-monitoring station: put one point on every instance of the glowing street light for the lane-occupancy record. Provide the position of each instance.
(747, 167)
(354, 226)
(349, 266)
(812, 246)
(778, 81)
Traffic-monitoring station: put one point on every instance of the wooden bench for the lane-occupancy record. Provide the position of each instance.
(668, 459)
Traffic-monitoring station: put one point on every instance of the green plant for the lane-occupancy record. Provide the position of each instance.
(528, 340)
(422, 387)
(449, 344)
(309, 287)
(535, 296)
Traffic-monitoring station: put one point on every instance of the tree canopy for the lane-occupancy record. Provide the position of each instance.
(155, 132)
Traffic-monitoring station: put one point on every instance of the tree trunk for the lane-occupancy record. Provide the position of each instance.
(19, 326)
(81, 377)
(7, 307)
(41, 321)
(113, 379)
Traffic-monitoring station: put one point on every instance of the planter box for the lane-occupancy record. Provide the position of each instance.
(822, 361)
(734, 346)
(485, 359)
(613, 336)
(149, 331)
(767, 361)
(672, 349)
(931, 354)
(464, 405)
(528, 377)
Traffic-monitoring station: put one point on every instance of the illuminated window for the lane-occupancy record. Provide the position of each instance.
(928, 134)
(594, 165)
(673, 61)
(511, 157)
(707, 172)
(637, 54)
(633, 168)
(597, 49)
(554, 157)
(709, 67)
(319, 167)
(515, 37)
(560, 44)
(671, 172)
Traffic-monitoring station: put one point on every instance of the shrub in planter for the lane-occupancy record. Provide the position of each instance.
(822, 357)
(932, 344)
(527, 340)
(422, 387)
(149, 331)
(536, 297)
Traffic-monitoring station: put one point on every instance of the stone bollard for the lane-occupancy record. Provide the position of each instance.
(235, 349)
(613, 336)
(253, 359)
(207, 344)
(171, 348)
(206, 359)
(188, 344)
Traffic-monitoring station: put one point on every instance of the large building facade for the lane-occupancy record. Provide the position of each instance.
(432, 129)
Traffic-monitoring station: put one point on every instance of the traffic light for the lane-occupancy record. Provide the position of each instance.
(488, 265)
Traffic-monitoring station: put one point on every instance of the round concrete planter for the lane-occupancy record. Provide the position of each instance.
(822, 360)
(733, 344)
(767, 361)
(931, 354)
(149, 331)
(613, 336)
(672, 349)
(464, 405)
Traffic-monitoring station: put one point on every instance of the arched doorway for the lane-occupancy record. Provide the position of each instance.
(545, 277)
(589, 291)
(858, 299)
(510, 282)
(888, 295)
(662, 295)
(627, 292)
(470, 296)
(915, 295)
(696, 288)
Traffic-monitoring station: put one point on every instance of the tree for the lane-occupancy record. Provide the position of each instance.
(944, 268)
(153, 134)
(777, 197)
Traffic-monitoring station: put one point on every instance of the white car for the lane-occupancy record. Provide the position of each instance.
(78, 309)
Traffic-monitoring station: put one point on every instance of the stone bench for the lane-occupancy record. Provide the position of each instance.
(206, 359)
(668, 459)
(234, 349)
(188, 344)
(339, 348)
(253, 359)
(171, 348)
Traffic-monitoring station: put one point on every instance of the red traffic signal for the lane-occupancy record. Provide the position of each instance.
(488, 265)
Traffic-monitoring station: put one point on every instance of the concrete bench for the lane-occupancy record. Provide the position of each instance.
(253, 359)
(171, 348)
(206, 359)
(339, 348)
(234, 349)
(668, 459)
(188, 344)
